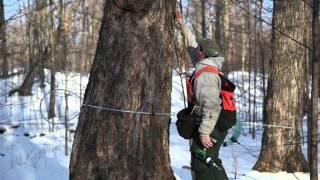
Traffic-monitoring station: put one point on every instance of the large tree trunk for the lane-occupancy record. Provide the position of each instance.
(3, 42)
(281, 148)
(132, 66)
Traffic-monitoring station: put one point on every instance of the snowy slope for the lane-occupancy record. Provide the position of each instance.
(33, 152)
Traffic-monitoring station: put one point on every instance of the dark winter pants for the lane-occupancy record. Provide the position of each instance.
(201, 170)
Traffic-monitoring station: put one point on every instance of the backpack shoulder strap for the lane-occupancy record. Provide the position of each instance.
(206, 69)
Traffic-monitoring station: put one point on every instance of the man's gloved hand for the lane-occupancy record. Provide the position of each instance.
(206, 141)
(178, 17)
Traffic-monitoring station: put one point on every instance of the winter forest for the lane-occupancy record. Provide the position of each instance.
(91, 89)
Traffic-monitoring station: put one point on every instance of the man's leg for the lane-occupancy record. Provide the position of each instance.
(220, 172)
(200, 168)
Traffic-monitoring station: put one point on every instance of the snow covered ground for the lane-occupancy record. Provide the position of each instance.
(33, 149)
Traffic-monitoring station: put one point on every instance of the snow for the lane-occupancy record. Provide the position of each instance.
(36, 150)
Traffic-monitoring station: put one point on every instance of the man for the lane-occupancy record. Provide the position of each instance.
(206, 96)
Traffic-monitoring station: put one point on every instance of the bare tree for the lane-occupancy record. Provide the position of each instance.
(262, 53)
(37, 50)
(222, 27)
(203, 19)
(281, 149)
(59, 46)
(314, 93)
(3, 42)
(249, 57)
(195, 12)
(131, 70)
(53, 47)
(218, 23)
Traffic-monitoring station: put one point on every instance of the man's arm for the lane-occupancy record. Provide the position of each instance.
(189, 37)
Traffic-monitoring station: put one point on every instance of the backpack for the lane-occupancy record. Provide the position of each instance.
(188, 122)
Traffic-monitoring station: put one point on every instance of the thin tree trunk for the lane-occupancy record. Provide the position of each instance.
(281, 148)
(34, 49)
(42, 45)
(314, 91)
(226, 34)
(222, 26)
(64, 59)
(203, 18)
(248, 19)
(53, 44)
(84, 36)
(218, 30)
(263, 58)
(132, 66)
(243, 64)
(66, 119)
(64, 39)
(26, 87)
(30, 48)
(60, 38)
(3, 42)
(255, 66)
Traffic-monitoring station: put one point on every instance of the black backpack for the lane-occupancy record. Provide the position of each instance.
(187, 123)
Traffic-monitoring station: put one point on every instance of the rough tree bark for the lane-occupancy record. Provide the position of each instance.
(281, 148)
(3, 42)
(132, 67)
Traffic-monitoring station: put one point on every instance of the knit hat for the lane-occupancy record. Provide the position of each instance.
(208, 46)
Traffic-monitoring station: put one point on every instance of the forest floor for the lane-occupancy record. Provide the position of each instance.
(31, 148)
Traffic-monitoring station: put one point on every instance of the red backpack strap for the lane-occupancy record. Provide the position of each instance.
(189, 89)
(206, 69)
